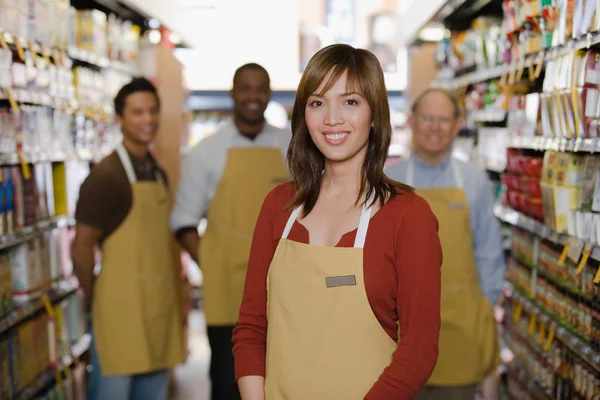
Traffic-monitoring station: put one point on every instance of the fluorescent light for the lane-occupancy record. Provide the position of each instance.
(432, 33)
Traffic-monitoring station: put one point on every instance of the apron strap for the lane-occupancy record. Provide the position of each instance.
(126, 162)
(458, 179)
(290, 222)
(361, 233)
(363, 226)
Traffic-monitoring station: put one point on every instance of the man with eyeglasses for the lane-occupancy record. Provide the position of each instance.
(473, 268)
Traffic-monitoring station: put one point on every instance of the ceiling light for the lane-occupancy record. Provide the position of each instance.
(175, 38)
(153, 23)
(154, 36)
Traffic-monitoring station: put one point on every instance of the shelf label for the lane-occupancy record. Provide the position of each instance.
(13, 103)
(550, 337)
(587, 250)
(518, 311)
(45, 53)
(3, 42)
(563, 256)
(575, 249)
(20, 50)
(597, 277)
(532, 324)
(542, 337)
(48, 305)
(25, 171)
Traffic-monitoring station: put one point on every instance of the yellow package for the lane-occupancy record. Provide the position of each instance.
(569, 171)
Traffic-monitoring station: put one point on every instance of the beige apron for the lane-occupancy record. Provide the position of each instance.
(249, 175)
(136, 305)
(323, 340)
(468, 344)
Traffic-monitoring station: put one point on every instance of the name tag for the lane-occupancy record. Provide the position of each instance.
(335, 281)
(456, 206)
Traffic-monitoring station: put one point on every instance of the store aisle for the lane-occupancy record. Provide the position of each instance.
(192, 378)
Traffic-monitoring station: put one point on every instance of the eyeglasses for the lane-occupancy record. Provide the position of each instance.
(445, 123)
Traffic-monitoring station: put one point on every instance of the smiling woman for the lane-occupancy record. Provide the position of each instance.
(335, 297)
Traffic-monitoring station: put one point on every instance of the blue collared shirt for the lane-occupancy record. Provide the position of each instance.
(487, 242)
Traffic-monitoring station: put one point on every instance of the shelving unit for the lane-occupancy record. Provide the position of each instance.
(505, 68)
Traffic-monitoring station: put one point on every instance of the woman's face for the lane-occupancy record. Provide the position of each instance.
(339, 122)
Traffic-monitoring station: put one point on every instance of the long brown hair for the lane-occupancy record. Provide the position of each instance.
(306, 162)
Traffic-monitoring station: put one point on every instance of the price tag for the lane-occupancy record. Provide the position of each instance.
(532, 324)
(20, 50)
(542, 337)
(34, 55)
(563, 256)
(584, 258)
(45, 53)
(575, 249)
(518, 311)
(597, 277)
(550, 337)
(3, 42)
(13, 102)
(48, 304)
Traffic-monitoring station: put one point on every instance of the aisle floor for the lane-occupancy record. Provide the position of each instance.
(191, 379)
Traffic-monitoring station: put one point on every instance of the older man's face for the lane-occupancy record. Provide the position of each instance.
(434, 125)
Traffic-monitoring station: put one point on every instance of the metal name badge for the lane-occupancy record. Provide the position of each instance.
(335, 281)
(455, 205)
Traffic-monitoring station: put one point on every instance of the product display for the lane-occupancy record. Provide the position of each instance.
(535, 102)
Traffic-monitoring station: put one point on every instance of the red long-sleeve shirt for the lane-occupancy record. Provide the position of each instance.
(402, 261)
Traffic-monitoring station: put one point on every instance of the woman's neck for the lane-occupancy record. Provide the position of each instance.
(342, 177)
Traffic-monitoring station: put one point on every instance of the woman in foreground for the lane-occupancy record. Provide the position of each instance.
(345, 263)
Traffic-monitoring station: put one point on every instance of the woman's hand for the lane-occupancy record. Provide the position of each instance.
(252, 387)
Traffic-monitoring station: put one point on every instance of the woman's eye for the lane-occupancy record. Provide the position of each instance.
(351, 102)
(316, 103)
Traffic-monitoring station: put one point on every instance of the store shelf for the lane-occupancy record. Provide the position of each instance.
(575, 344)
(22, 312)
(30, 232)
(536, 388)
(541, 143)
(78, 349)
(487, 115)
(516, 218)
(49, 376)
(544, 55)
(90, 58)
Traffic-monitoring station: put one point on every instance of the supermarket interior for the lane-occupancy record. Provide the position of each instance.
(526, 74)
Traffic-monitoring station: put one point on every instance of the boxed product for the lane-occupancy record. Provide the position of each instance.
(56, 253)
(6, 387)
(591, 163)
(569, 170)
(5, 285)
(44, 243)
(18, 203)
(26, 270)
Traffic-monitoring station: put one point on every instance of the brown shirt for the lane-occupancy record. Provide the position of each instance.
(105, 197)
